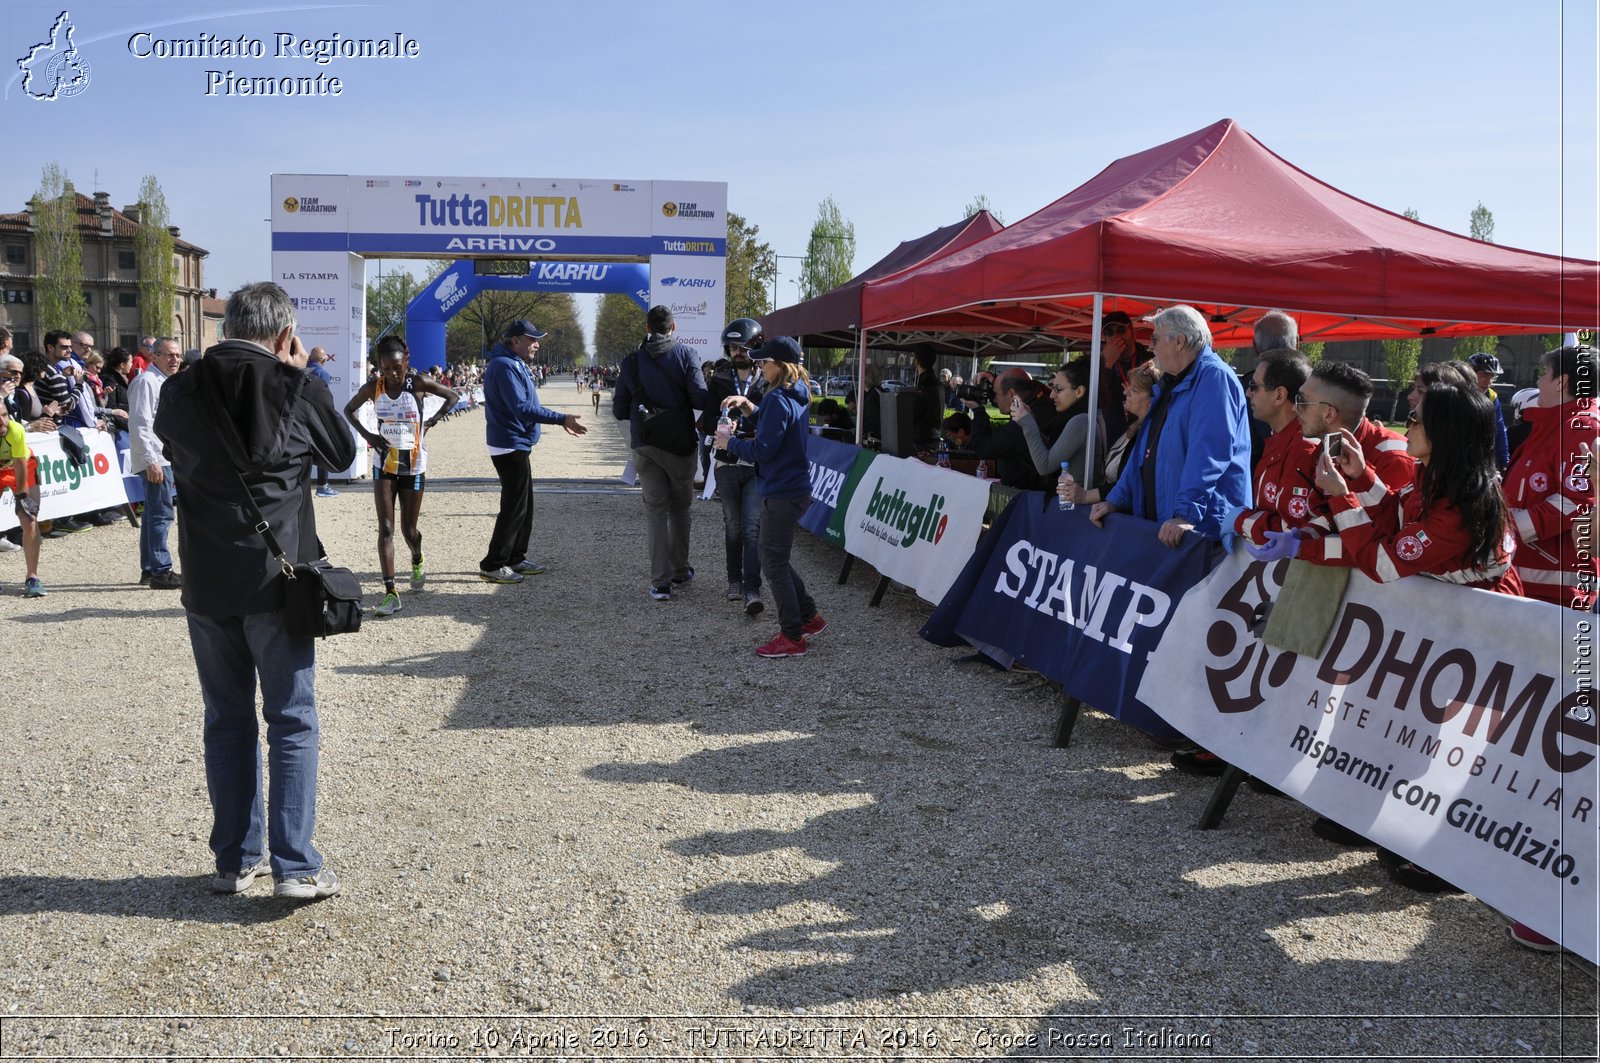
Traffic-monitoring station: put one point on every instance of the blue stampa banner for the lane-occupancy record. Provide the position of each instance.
(830, 469)
(1085, 606)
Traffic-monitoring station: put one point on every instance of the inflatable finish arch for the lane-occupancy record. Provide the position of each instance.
(453, 289)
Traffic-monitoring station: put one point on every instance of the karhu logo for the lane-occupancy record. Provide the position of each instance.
(55, 69)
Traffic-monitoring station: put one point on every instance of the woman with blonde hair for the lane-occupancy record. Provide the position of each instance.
(784, 482)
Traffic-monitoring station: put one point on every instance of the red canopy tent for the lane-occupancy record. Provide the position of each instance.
(1216, 220)
(833, 318)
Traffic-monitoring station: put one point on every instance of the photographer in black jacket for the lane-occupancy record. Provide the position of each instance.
(1006, 448)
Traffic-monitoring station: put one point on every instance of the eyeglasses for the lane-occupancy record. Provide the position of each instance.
(1301, 400)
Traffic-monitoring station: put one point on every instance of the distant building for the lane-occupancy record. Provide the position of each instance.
(110, 279)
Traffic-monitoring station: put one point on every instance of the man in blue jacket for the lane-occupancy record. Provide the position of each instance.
(1189, 466)
(512, 416)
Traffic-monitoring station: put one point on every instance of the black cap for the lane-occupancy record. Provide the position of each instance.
(524, 327)
(1116, 317)
(778, 349)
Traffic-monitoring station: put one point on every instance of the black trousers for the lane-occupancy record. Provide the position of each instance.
(514, 523)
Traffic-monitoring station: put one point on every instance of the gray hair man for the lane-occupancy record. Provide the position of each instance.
(147, 459)
(1195, 442)
(246, 417)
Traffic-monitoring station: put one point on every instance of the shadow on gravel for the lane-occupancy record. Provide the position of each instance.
(66, 615)
(164, 897)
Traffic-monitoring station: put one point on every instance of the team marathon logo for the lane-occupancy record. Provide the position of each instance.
(685, 210)
(308, 205)
(54, 69)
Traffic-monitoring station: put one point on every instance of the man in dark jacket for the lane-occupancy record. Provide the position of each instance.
(736, 477)
(248, 409)
(1006, 448)
(511, 419)
(663, 379)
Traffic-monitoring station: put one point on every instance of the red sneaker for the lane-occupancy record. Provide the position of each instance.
(813, 627)
(783, 646)
(1529, 938)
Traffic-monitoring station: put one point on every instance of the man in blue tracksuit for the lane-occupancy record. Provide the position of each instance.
(512, 416)
(1189, 466)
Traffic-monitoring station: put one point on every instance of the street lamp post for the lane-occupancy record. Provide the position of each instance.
(801, 258)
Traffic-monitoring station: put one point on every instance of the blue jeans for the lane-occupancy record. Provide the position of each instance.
(779, 516)
(741, 524)
(230, 652)
(153, 526)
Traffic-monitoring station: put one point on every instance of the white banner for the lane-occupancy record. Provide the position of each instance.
(1454, 726)
(915, 523)
(65, 489)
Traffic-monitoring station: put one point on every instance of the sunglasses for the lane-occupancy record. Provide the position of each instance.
(1251, 385)
(1413, 419)
(1301, 400)
(1114, 330)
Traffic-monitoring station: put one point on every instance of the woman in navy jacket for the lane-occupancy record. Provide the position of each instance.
(784, 481)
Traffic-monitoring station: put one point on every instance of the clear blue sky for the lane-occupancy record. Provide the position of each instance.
(902, 111)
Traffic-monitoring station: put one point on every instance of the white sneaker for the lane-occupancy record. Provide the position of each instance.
(239, 881)
(503, 574)
(7, 546)
(308, 887)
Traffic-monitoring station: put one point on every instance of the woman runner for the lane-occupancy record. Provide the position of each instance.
(400, 453)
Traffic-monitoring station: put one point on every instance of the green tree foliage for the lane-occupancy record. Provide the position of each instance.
(830, 252)
(1312, 351)
(479, 325)
(980, 202)
(152, 248)
(387, 299)
(751, 267)
(58, 301)
(1411, 212)
(619, 327)
(1481, 225)
(565, 344)
(1400, 363)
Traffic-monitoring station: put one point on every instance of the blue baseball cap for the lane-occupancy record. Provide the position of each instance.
(524, 327)
(778, 349)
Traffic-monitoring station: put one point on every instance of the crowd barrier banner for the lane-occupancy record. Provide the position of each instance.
(132, 479)
(1085, 606)
(913, 522)
(66, 489)
(831, 464)
(1455, 727)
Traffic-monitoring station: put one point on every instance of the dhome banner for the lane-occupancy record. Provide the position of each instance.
(1454, 726)
(912, 522)
(1085, 606)
(67, 489)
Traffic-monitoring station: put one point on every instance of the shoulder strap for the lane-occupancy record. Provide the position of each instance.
(226, 432)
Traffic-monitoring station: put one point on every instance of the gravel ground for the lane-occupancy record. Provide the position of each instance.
(575, 822)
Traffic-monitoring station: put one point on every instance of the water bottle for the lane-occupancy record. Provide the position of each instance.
(1066, 481)
(724, 426)
(944, 454)
(982, 471)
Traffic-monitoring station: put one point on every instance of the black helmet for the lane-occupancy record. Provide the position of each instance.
(742, 332)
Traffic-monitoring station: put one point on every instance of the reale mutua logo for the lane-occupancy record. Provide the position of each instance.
(54, 69)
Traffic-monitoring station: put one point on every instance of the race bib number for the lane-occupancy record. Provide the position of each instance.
(399, 434)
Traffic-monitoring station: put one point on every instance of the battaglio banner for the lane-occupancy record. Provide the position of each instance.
(912, 522)
(1085, 606)
(1453, 726)
(67, 488)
